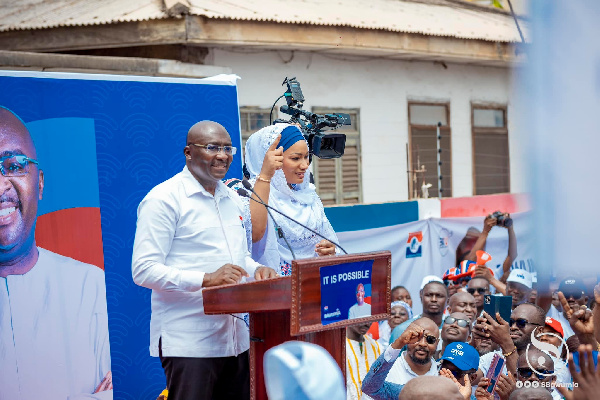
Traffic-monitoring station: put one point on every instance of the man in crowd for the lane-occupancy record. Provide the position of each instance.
(530, 394)
(430, 388)
(434, 296)
(537, 366)
(465, 303)
(361, 353)
(456, 328)
(574, 291)
(478, 287)
(190, 236)
(53, 321)
(519, 285)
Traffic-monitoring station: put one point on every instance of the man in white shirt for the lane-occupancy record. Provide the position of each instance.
(418, 359)
(189, 236)
(394, 369)
(53, 322)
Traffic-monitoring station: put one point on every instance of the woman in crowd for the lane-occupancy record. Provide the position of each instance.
(277, 160)
(399, 313)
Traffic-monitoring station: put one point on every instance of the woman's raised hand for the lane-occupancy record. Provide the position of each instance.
(273, 160)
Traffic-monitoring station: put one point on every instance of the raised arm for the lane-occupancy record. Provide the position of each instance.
(488, 223)
(258, 213)
(512, 253)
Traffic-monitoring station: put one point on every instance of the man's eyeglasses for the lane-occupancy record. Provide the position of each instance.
(16, 165)
(528, 372)
(463, 323)
(430, 339)
(479, 290)
(214, 149)
(521, 322)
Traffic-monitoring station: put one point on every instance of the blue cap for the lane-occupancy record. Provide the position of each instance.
(462, 355)
(289, 136)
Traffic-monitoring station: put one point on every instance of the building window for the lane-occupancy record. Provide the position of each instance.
(251, 120)
(423, 120)
(491, 170)
(338, 180)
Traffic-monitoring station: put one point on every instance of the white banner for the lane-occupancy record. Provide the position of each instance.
(428, 247)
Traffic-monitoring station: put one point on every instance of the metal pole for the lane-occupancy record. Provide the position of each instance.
(439, 160)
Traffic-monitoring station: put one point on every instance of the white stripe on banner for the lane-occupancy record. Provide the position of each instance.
(436, 251)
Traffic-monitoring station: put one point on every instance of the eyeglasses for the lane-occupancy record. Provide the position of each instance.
(430, 339)
(528, 372)
(15, 165)
(463, 323)
(479, 290)
(521, 322)
(397, 314)
(214, 149)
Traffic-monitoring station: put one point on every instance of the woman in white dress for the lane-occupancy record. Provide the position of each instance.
(277, 159)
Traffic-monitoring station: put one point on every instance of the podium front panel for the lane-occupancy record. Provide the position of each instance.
(305, 312)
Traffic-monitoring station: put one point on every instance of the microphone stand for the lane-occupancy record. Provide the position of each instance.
(277, 227)
(244, 193)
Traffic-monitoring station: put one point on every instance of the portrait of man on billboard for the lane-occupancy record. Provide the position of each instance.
(54, 339)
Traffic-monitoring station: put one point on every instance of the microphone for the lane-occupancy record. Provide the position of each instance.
(278, 229)
(244, 193)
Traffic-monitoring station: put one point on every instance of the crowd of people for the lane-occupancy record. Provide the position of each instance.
(545, 349)
(194, 232)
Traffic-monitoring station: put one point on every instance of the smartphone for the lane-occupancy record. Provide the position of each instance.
(498, 304)
(495, 371)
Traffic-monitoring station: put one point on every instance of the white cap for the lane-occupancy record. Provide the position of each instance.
(430, 278)
(520, 276)
(302, 371)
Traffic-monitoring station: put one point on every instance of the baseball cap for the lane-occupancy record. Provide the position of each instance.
(302, 371)
(520, 276)
(429, 279)
(554, 324)
(462, 355)
(572, 287)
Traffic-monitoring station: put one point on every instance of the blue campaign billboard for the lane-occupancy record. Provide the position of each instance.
(102, 143)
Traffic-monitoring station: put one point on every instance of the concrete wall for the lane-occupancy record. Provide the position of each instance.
(381, 89)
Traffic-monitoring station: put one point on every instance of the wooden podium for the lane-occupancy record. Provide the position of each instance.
(289, 308)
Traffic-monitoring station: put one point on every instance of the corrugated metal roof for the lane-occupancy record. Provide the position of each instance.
(427, 17)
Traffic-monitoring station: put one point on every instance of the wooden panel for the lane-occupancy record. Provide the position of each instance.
(306, 291)
(267, 295)
(268, 330)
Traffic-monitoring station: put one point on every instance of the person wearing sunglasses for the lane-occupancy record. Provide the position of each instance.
(456, 328)
(395, 367)
(478, 287)
(53, 318)
(190, 235)
(537, 366)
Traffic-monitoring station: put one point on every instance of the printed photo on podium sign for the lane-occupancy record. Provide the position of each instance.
(345, 291)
